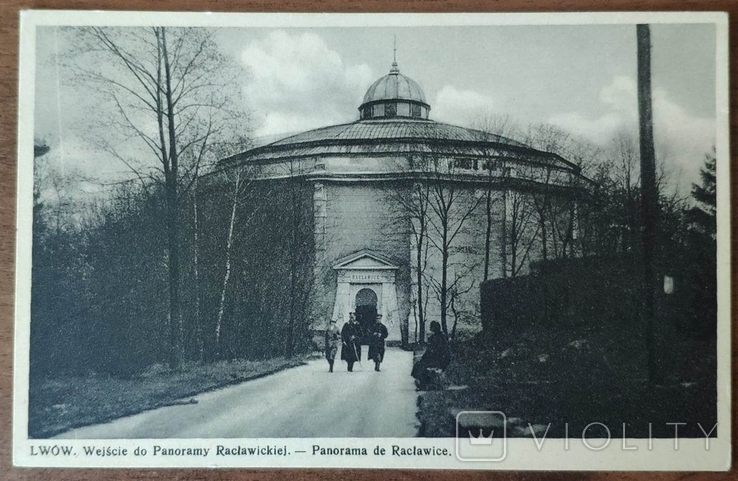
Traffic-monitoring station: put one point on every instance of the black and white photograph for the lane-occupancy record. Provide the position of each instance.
(463, 241)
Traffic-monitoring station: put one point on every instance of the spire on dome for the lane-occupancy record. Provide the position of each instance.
(394, 70)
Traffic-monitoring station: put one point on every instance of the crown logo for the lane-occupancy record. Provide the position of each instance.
(481, 440)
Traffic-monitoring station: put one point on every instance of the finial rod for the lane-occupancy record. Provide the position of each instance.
(394, 70)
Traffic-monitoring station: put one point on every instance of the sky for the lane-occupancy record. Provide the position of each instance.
(580, 78)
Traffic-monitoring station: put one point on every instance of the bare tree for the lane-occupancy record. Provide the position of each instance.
(462, 283)
(228, 249)
(451, 205)
(626, 175)
(413, 204)
(522, 229)
(166, 97)
(196, 270)
(551, 139)
(493, 128)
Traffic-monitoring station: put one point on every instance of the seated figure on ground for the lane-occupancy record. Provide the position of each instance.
(435, 359)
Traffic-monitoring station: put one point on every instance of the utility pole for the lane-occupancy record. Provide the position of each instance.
(649, 193)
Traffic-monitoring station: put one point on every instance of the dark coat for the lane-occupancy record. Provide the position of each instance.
(332, 341)
(377, 335)
(351, 339)
(436, 356)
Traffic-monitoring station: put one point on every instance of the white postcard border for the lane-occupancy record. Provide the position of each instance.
(522, 453)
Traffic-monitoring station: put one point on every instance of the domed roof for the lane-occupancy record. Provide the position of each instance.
(394, 86)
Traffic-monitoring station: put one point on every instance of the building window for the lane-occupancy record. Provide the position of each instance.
(378, 110)
(461, 164)
(416, 111)
(390, 110)
(403, 109)
(490, 164)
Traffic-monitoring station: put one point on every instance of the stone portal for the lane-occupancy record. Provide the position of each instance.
(366, 284)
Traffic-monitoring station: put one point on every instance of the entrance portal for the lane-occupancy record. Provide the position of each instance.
(366, 311)
(365, 285)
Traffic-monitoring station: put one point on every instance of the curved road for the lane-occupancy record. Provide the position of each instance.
(306, 401)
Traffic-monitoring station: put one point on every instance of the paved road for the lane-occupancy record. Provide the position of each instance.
(305, 401)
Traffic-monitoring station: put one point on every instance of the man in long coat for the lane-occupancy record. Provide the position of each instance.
(332, 342)
(377, 335)
(351, 337)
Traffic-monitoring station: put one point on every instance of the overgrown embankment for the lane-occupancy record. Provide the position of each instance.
(62, 403)
(569, 344)
(564, 380)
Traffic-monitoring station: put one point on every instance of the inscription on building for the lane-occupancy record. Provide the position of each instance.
(366, 277)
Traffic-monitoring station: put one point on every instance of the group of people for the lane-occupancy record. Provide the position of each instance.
(350, 339)
(436, 357)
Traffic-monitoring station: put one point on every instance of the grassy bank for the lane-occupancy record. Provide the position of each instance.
(63, 403)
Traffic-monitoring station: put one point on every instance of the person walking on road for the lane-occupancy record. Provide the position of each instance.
(377, 336)
(351, 337)
(332, 341)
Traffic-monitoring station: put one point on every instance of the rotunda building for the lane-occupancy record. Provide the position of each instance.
(407, 215)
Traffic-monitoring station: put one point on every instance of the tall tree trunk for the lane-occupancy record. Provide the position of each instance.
(444, 278)
(542, 224)
(419, 273)
(503, 234)
(456, 318)
(514, 238)
(649, 191)
(177, 334)
(488, 233)
(196, 268)
(227, 273)
(420, 247)
(544, 239)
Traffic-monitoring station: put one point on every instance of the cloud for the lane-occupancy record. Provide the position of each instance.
(297, 83)
(682, 137)
(462, 106)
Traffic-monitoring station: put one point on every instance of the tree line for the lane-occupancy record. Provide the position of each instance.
(100, 285)
(146, 273)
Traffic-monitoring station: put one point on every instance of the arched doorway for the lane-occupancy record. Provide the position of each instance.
(366, 309)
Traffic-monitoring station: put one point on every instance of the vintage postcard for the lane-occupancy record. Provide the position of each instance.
(433, 241)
